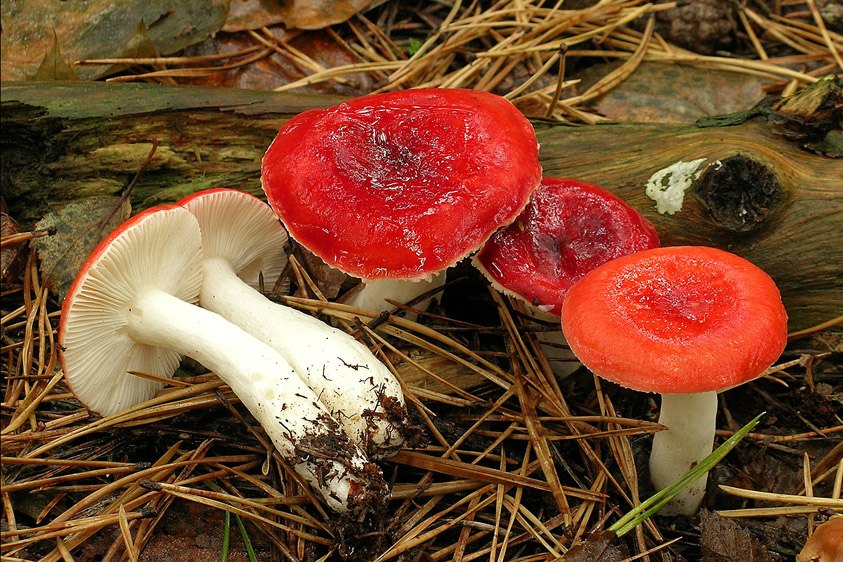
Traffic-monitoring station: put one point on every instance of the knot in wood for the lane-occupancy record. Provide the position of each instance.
(739, 193)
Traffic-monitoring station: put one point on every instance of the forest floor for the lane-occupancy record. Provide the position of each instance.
(520, 465)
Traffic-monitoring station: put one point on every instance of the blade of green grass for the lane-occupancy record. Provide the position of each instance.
(246, 540)
(225, 536)
(655, 502)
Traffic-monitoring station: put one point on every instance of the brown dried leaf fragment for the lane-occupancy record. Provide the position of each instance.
(598, 547)
(724, 540)
(319, 14)
(12, 255)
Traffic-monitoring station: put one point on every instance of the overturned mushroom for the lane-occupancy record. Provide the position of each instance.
(130, 309)
(242, 238)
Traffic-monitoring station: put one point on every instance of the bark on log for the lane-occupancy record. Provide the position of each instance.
(759, 195)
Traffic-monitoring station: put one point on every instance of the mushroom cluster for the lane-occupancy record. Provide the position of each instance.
(133, 308)
(391, 187)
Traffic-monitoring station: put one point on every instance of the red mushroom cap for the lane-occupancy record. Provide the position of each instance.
(567, 229)
(681, 319)
(403, 184)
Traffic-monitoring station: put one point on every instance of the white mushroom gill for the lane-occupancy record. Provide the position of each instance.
(131, 309)
(362, 394)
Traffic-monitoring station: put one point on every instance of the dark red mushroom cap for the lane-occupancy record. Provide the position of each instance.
(567, 229)
(681, 319)
(402, 184)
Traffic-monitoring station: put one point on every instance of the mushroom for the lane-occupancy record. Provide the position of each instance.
(401, 185)
(825, 544)
(684, 321)
(131, 309)
(242, 238)
(568, 228)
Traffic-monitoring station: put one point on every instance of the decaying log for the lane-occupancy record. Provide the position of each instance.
(760, 193)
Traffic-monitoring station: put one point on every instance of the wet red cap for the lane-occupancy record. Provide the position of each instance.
(403, 184)
(568, 228)
(682, 319)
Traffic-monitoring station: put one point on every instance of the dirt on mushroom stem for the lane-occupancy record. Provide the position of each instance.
(393, 411)
(323, 451)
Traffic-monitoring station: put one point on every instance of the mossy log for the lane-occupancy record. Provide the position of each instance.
(755, 191)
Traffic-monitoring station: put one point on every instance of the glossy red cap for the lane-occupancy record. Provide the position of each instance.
(682, 319)
(568, 228)
(403, 184)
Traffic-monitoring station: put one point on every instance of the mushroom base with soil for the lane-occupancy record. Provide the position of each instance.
(357, 389)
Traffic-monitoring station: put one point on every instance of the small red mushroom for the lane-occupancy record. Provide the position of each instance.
(404, 184)
(567, 229)
(683, 321)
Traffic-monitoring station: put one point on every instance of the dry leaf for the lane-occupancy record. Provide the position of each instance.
(54, 67)
(598, 547)
(318, 14)
(328, 279)
(666, 93)
(724, 540)
(275, 70)
(252, 14)
(11, 256)
(80, 226)
(99, 29)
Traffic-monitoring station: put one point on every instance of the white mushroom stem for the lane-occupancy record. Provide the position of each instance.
(691, 421)
(299, 426)
(362, 394)
(374, 293)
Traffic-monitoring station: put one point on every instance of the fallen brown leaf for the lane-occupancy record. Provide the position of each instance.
(320, 13)
(99, 29)
(252, 14)
(11, 256)
(665, 93)
(724, 540)
(598, 547)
